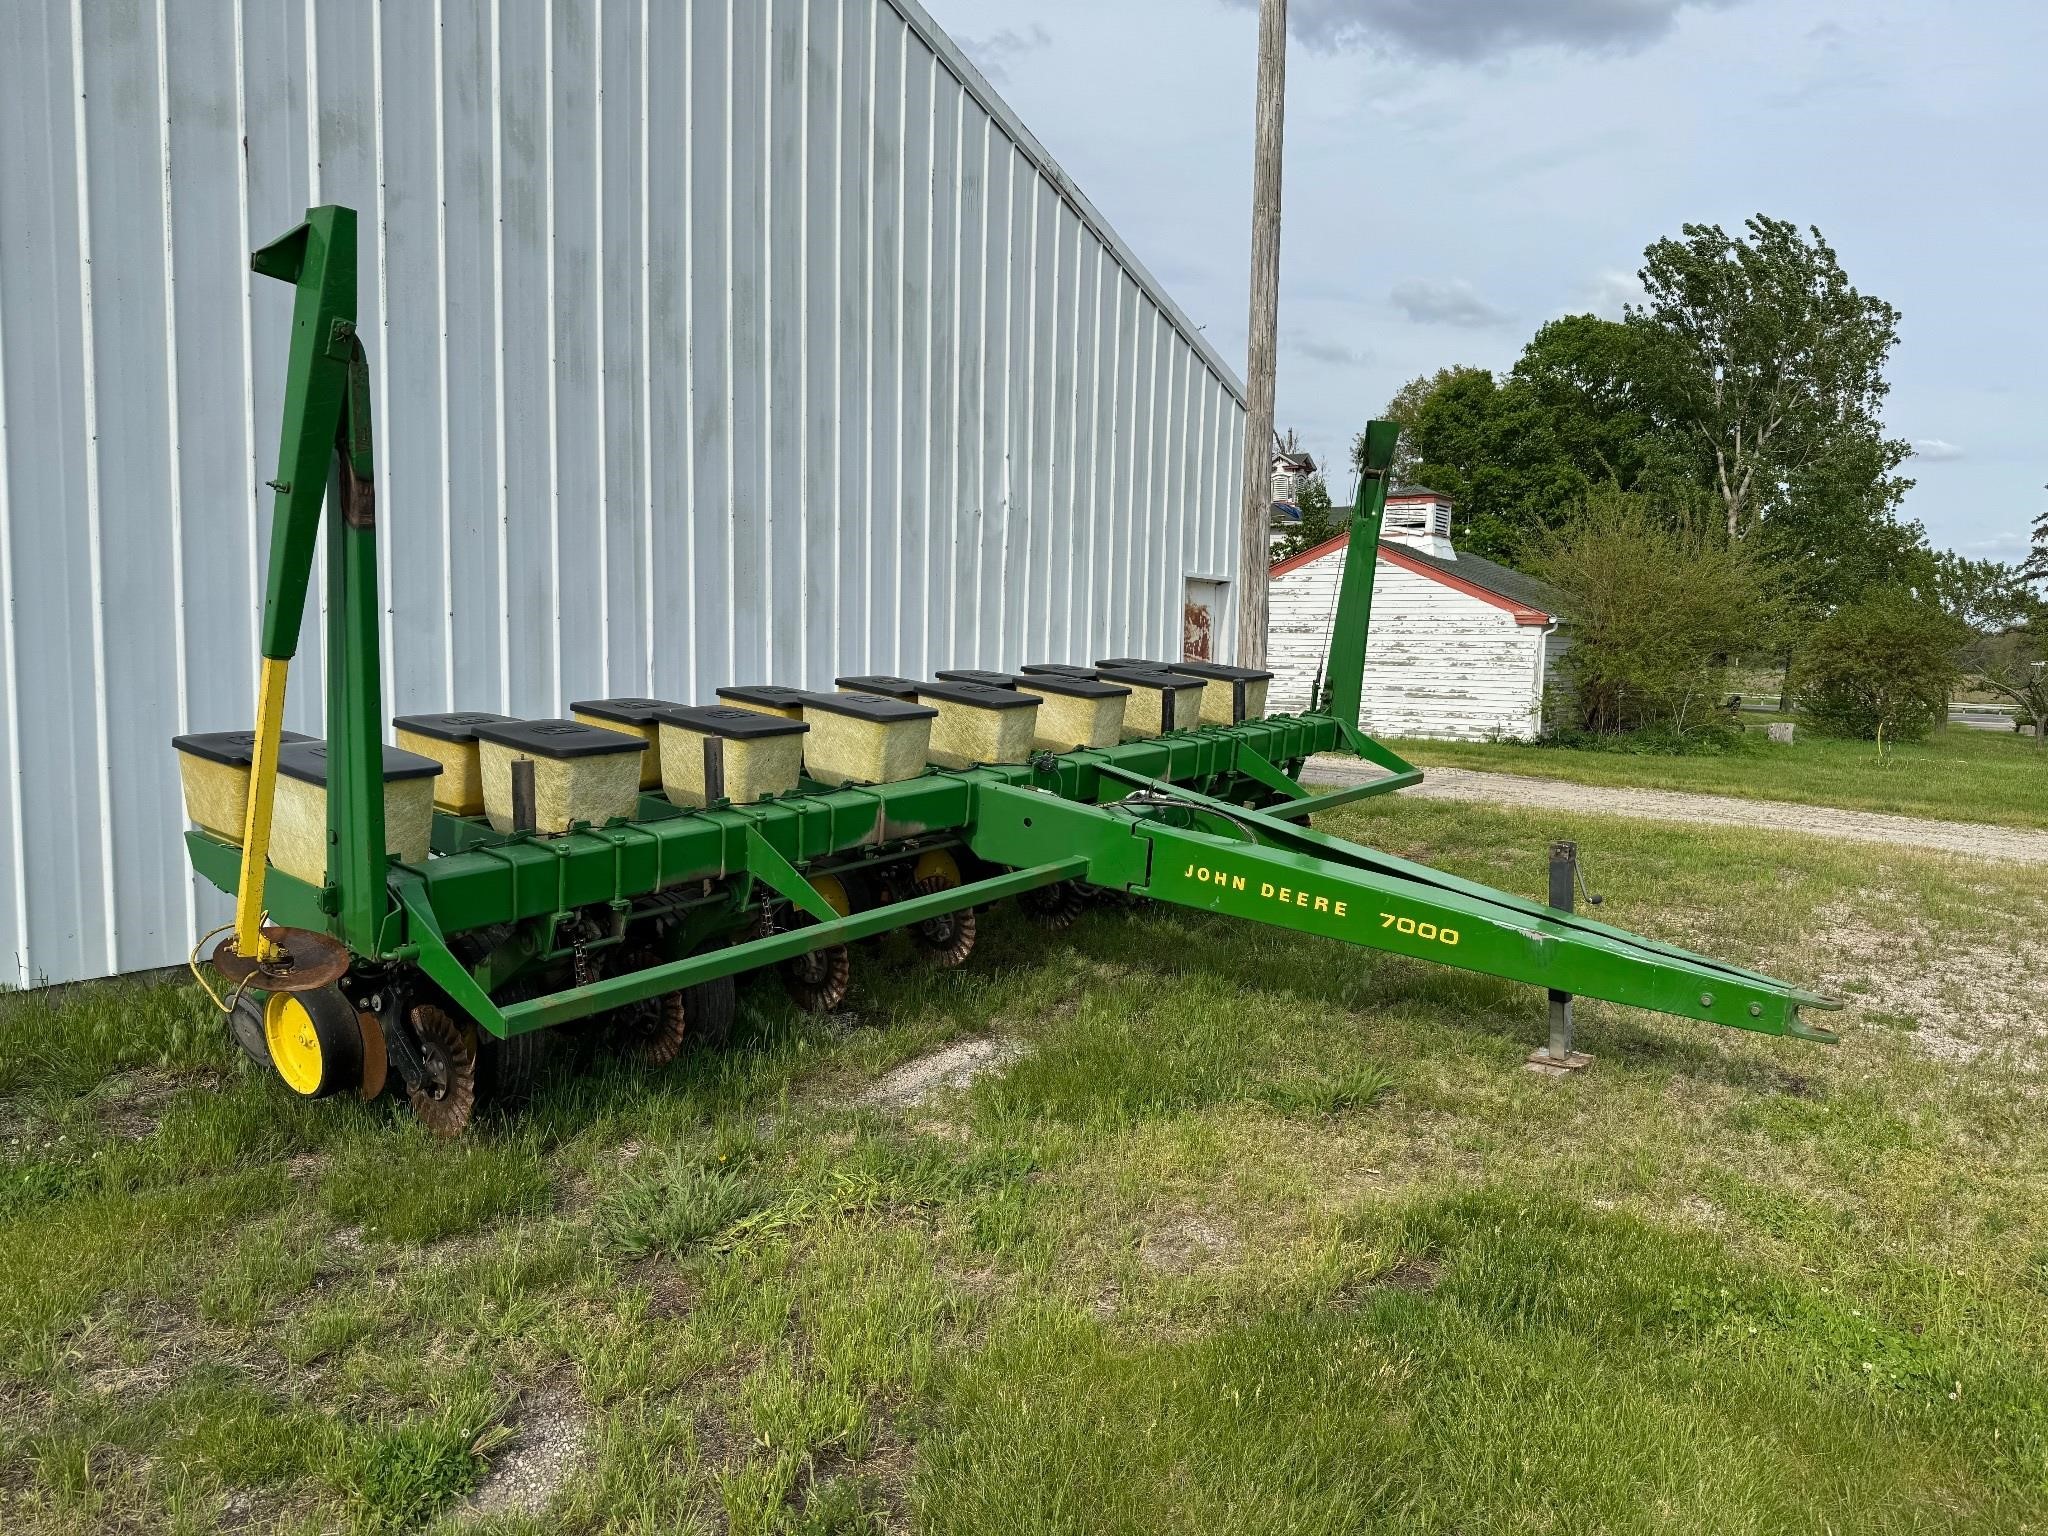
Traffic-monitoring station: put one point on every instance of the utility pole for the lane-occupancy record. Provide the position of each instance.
(1262, 352)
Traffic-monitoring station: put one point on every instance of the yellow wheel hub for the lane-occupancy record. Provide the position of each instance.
(938, 864)
(294, 1043)
(829, 887)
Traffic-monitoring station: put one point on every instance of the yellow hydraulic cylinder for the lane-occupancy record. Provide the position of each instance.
(249, 941)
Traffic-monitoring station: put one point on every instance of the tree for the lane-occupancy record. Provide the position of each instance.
(1487, 444)
(2014, 665)
(2035, 567)
(1319, 521)
(1990, 596)
(1770, 362)
(1657, 611)
(1406, 408)
(1881, 668)
(1585, 379)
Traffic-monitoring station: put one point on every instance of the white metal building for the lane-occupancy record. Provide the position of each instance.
(1459, 647)
(714, 341)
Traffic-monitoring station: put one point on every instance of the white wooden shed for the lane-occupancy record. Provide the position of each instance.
(1460, 648)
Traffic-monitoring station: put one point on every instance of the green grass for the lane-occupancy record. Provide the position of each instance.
(1955, 775)
(1261, 1234)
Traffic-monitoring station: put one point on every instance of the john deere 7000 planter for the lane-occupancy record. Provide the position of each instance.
(441, 965)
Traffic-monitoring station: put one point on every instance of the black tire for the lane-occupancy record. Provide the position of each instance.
(315, 1041)
(710, 1007)
(506, 1070)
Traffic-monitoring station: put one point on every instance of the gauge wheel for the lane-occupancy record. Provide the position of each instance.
(314, 1040)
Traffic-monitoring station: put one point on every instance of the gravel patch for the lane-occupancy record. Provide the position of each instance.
(910, 1085)
(547, 1443)
(1970, 839)
(1958, 1001)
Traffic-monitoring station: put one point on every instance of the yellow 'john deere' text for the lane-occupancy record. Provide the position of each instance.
(1286, 895)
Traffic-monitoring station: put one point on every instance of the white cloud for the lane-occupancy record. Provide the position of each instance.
(1465, 31)
(1612, 291)
(1318, 348)
(1935, 450)
(994, 54)
(1453, 302)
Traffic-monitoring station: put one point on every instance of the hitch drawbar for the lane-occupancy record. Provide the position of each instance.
(1182, 847)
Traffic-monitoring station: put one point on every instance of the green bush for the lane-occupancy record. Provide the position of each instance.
(1655, 613)
(1880, 669)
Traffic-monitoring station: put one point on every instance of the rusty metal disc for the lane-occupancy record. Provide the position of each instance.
(309, 961)
(376, 1063)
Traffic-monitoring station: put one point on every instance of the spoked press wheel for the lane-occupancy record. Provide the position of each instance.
(652, 1030)
(818, 982)
(946, 940)
(1054, 906)
(446, 1098)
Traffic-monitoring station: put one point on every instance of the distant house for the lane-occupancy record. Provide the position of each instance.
(1291, 472)
(1460, 648)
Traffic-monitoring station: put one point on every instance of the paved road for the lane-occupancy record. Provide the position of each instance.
(1971, 839)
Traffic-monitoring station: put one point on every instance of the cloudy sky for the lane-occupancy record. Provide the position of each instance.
(1459, 171)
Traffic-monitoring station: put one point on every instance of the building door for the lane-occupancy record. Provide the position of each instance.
(1198, 619)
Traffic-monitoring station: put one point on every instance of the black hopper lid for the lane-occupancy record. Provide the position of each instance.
(460, 725)
(977, 697)
(624, 711)
(306, 761)
(560, 738)
(237, 749)
(732, 724)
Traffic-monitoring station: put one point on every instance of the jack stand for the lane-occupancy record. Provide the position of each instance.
(1558, 1057)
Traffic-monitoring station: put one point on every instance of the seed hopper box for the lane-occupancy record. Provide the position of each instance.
(298, 838)
(979, 725)
(1161, 702)
(1077, 711)
(213, 767)
(724, 753)
(857, 738)
(585, 774)
(767, 699)
(900, 688)
(633, 717)
(450, 739)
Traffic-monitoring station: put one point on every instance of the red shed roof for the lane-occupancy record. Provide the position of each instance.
(1468, 574)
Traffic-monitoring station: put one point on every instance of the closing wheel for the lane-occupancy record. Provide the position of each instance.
(446, 1097)
(818, 982)
(650, 1031)
(1054, 906)
(947, 940)
(315, 1041)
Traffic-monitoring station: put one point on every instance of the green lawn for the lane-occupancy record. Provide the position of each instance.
(1956, 775)
(1260, 1234)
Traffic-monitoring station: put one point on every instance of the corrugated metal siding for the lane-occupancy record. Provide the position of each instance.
(719, 341)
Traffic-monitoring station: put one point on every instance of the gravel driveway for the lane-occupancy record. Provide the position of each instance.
(1971, 839)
